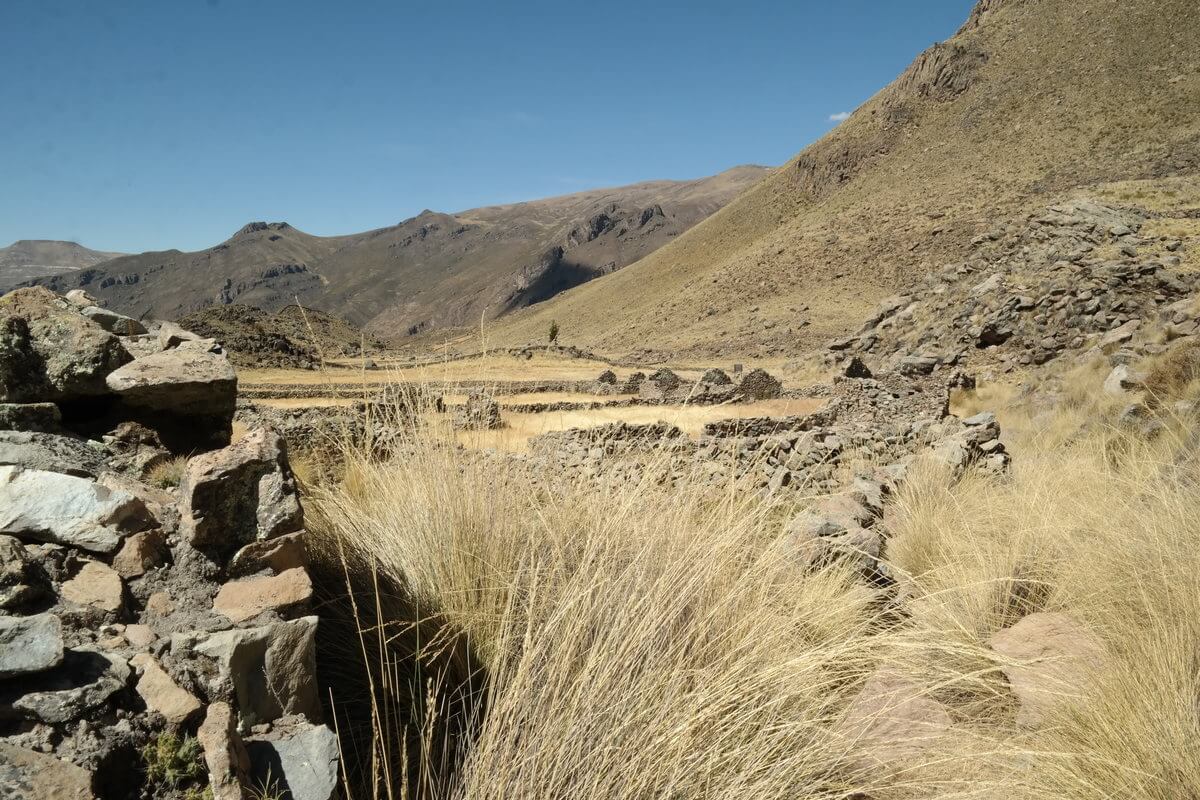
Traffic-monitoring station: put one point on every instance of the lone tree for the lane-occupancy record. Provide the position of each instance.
(553, 331)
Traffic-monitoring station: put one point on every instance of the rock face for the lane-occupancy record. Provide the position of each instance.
(116, 633)
(179, 392)
(183, 381)
(240, 494)
(303, 759)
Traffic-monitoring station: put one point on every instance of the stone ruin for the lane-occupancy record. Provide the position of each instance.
(480, 412)
(146, 600)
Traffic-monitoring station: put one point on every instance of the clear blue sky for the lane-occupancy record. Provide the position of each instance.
(134, 125)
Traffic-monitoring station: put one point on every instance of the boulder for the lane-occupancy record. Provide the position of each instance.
(299, 758)
(161, 693)
(84, 680)
(113, 322)
(240, 494)
(96, 585)
(171, 335)
(64, 509)
(81, 299)
(50, 452)
(890, 723)
(180, 380)
(29, 644)
(49, 351)
(40, 417)
(1047, 658)
(1121, 380)
(271, 668)
(30, 775)
(716, 377)
(245, 599)
(224, 753)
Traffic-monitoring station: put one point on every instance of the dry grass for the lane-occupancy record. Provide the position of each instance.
(167, 474)
(691, 419)
(634, 643)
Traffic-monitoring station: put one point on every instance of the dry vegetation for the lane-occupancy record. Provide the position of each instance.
(635, 643)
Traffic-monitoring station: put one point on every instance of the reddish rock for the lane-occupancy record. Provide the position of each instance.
(1047, 659)
(278, 555)
(141, 552)
(96, 585)
(245, 599)
(891, 723)
(224, 754)
(161, 693)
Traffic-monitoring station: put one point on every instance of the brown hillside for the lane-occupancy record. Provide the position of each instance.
(1029, 99)
(427, 272)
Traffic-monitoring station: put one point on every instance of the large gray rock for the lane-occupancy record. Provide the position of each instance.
(64, 509)
(49, 351)
(50, 452)
(84, 680)
(178, 380)
(240, 494)
(272, 669)
(300, 757)
(29, 775)
(113, 322)
(29, 644)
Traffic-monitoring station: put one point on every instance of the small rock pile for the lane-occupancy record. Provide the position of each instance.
(154, 610)
(480, 412)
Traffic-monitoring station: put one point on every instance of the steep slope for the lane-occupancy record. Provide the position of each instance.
(1029, 99)
(427, 272)
(26, 259)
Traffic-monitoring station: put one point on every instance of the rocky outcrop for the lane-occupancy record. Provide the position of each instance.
(135, 619)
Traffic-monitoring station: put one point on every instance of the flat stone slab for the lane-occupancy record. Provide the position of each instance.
(66, 509)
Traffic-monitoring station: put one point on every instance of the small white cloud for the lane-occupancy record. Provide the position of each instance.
(839, 116)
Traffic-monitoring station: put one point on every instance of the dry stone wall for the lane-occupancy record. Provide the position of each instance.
(155, 605)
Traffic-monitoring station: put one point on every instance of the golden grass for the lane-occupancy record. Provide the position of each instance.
(691, 419)
(168, 473)
(636, 642)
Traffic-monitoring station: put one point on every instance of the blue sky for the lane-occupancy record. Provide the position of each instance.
(130, 125)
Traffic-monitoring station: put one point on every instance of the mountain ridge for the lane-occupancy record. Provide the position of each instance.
(429, 271)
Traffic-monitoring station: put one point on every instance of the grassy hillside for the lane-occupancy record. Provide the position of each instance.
(1030, 98)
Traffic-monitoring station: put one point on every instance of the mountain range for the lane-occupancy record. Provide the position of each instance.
(36, 258)
(432, 271)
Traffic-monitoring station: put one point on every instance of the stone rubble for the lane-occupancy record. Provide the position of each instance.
(129, 612)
